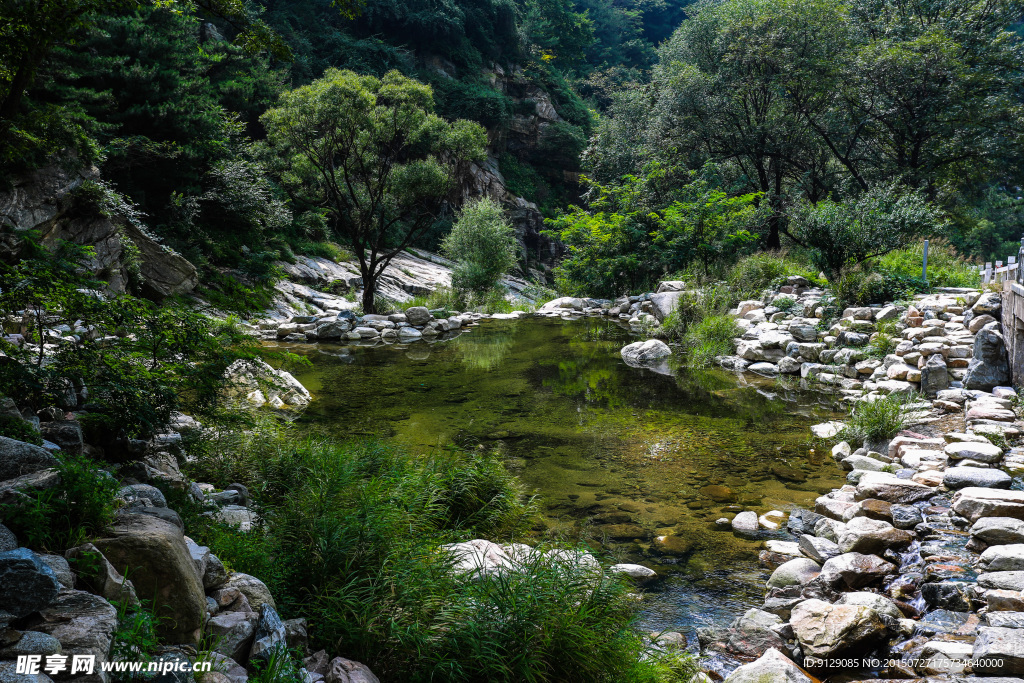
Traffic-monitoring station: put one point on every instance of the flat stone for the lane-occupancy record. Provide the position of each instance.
(975, 502)
(963, 477)
(1002, 558)
(982, 452)
(1011, 580)
(1005, 619)
(871, 536)
(998, 530)
(818, 549)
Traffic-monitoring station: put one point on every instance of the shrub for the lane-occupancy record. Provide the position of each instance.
(785, 303)
(21, 430)
(80, 505)
(861, 288)
(755, 273)
(878, 420)
(709, 338)
(483, 242)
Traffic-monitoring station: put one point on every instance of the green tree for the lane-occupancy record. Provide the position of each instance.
(841, 235)
(483, 242)
(374, 155)
(636, 231)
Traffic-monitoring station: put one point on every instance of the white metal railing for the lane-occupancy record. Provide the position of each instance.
(997, 272)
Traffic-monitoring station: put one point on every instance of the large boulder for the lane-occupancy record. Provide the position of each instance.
(153, 553)
(270, 636)
(27, 584)
(826, 630)
(975, 502)
(232, 633)
(796, 572)
(664, 303)
(990, 364)
(998, 530)
(347, 671)
(934, 375)
(65, 433)
(772, 667)
(418, 315)
(641, 353)
(18, 458)
(84, 624)
(851, 571)
(999, 651)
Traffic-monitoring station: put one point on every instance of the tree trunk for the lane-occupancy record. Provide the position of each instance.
(774, 241)
(369, 292)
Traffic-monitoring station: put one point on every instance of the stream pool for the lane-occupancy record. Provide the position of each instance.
(640, 462)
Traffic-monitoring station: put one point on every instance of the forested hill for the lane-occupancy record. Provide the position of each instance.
(166, 99)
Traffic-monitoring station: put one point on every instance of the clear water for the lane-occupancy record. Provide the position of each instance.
(640, 462)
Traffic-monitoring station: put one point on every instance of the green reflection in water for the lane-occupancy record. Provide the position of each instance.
(642, 462)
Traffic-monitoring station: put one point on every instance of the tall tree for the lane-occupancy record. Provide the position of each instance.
(374, 155)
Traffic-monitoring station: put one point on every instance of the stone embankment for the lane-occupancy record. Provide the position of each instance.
(914, 570)
(59, 606)
(343, 326)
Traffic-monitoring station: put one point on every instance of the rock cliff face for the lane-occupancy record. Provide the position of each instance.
(522, 136)
(44, 200)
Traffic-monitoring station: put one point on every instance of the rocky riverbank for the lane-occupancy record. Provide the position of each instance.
(71, 607)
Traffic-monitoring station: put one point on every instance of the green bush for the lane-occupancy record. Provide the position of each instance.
(755, 273)
(79, 506)
(860, 288)
(694, 306)
(709, 338)
(483, 244)
(878, 420)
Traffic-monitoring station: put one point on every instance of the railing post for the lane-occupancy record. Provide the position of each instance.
(1020, 259)
(988, 272)
(924, 263)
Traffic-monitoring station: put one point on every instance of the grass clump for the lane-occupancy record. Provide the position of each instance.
(880, 420)
(709, 338)
(353, 543)
(78, 507)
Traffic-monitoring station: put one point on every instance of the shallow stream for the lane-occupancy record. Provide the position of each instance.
(640, 462)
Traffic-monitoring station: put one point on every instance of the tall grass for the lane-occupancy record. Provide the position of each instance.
(709, 338)
(878, 420)
(351, 542)
(755, 273)
(946, 268)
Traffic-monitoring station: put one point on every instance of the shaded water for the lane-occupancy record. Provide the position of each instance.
(641, 463)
